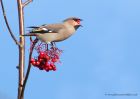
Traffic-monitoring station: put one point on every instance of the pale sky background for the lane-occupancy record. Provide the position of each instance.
(102, 57)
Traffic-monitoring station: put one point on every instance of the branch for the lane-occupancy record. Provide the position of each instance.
(7, 24)
(29, 67)
(21, 48)
(27, 2)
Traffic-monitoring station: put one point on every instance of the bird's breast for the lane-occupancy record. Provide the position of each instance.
(64, 34)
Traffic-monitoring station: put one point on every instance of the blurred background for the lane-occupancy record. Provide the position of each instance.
(102, 58)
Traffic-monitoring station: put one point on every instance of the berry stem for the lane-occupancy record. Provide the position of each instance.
(29, 66)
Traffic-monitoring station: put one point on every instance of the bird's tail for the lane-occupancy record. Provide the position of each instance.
(33, 27)
(29, 34)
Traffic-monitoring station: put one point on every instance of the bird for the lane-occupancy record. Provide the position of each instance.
(50, 33)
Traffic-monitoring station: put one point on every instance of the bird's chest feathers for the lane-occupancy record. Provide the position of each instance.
(69, 30)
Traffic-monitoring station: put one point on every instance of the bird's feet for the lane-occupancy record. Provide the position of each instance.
(53, 45)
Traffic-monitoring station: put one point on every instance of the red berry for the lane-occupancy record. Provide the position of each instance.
(54, 60)
(47, 69)
(54, 69)
(47, 64)
(33, 63)
(37, 63)
(32, 60)
(41, 55)
(57, 56)
(52, 64)
(47, 57)
(50, 68)
(40, 59)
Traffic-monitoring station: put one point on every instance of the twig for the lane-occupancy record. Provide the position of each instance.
(7, 24)
(29, 67)
(27, 2)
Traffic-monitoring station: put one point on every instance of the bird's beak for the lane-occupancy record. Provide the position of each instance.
(81, 19)
(80, 24)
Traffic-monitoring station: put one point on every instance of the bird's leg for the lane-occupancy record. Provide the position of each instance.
(47, 47)
(31, 39)
(31, 43)
(53, 45)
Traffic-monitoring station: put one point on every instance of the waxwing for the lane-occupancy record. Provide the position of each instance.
(49, 33)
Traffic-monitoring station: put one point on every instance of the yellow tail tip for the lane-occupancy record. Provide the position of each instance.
(21, 36)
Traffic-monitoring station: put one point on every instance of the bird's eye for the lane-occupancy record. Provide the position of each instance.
(77, 20)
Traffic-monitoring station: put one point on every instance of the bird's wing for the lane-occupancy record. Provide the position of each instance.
(51, 28)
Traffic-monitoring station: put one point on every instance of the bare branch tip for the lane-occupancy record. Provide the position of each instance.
(7, 23)
(26, 3)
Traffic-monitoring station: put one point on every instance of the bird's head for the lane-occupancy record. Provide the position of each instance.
(74, 21)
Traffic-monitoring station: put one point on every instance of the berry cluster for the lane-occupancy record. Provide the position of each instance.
(46, 58)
